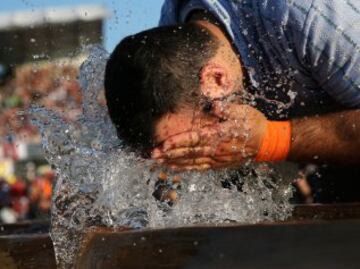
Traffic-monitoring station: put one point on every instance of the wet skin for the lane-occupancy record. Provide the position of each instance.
(226, 137)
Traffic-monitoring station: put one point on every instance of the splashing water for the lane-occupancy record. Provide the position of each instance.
(100, 183)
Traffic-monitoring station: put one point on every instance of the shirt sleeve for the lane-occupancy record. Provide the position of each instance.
(329, 45)
(169, 13)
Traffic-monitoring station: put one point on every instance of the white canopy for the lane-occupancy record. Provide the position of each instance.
(20, 19)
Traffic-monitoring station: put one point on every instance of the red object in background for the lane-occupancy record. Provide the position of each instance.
(19, 200)
(45, 186)
(18, 188)
(41, 192)
(10, 151)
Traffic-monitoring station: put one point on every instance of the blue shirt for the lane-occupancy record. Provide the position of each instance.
(302, 56)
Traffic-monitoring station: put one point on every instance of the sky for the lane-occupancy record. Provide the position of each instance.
(127, 16)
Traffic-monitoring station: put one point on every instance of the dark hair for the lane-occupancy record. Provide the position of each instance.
(150, 74)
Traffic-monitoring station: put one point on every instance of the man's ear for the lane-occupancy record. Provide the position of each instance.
(214, 81)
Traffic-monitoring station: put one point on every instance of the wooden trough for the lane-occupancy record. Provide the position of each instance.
(317, 236)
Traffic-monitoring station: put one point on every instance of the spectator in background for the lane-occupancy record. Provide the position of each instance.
(53, 86)
(40, 193)
(7, 214)
(4, 193)
(28, 198)
(19, 199)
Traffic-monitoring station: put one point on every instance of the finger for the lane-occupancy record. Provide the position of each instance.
(160, 161)
(188, 153)
(156, 153)
(221, 162)
(200, 137)
(179, 168)
(204, 167)
(222, 152)
(187, 139)
(196, 161)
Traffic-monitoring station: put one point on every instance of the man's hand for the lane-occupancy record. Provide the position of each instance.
(236, 138)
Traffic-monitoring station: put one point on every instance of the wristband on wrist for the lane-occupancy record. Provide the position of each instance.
(276, 142)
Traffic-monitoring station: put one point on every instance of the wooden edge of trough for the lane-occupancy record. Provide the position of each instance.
(326, 212)
(27, 251)
(317, 244)
(22, 246)
(302, 214)
(111, 245)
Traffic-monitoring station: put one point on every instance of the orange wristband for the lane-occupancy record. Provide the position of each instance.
(276, 142)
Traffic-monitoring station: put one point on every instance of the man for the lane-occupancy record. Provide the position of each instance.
(221, 82)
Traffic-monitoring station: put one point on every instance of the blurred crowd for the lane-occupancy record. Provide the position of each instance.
(26, 198)
(50, 85)
(27, 195)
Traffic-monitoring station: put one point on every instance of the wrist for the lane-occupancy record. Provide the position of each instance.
(276, 141)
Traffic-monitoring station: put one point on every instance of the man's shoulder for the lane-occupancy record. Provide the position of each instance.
(169, 11)
(284, 12)
(277, 11)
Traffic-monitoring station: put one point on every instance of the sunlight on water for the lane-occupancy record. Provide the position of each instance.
(100, 183)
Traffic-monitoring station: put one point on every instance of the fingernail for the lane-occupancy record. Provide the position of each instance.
(174, 167)
(156, 154)
(166, 146)
(160, 161)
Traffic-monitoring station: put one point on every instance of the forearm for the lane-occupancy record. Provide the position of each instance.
(330, 138)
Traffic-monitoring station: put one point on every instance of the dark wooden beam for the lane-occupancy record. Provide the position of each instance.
(316, 236)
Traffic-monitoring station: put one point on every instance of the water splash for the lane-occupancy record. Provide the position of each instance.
(100, 183)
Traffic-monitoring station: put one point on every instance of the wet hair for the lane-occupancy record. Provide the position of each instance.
(152, 73)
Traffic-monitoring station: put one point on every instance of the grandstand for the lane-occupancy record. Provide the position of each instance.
(40, 54)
